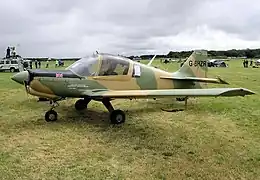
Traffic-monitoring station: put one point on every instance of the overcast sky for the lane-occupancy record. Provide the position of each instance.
(74, 28)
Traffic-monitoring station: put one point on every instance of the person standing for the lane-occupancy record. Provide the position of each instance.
(56, 63)
(30, 63)
(14, 52)
(8, 50)
(39, 64)
(36, 63)
(47, 62)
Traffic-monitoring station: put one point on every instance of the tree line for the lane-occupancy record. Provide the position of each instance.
(233, 53)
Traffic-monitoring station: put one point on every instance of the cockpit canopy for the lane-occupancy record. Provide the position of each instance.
(100, 65)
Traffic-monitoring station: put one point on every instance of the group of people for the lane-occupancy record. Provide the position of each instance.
(245, 63)
(38, 64)
(30, 64)
(10, 52)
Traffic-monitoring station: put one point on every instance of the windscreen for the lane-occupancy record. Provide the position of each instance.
(85, 66)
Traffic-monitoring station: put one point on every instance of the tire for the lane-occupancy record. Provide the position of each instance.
(12, 70)
(81, 104)
(117, 117)
(180, 99)
(51, 116)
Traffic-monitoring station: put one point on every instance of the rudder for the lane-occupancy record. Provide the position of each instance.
(196, 65)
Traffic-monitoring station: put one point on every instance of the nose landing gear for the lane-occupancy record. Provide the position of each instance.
(52, 115)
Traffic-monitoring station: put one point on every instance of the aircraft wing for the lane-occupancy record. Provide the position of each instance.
(126, 94)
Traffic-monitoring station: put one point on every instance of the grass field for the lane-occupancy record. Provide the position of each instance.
(216, 138)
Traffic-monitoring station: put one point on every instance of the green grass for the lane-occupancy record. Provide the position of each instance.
(216, 138)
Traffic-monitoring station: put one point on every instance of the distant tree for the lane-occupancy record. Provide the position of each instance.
(249, 53)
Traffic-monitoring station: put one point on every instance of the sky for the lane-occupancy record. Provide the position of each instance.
(59, 28)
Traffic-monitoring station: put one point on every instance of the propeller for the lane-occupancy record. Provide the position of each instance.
(26, 86)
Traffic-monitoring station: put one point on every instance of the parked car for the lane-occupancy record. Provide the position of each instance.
(257, 62)
(9, 65)
(217, 63)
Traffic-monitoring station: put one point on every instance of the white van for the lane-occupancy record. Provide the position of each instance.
(9, 65)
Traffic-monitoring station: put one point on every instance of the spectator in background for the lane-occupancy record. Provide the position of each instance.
(36, 64)
(8, 50)
(47, 62)
(244, 63)
(39, 63)
(13, 52)
(56, 63)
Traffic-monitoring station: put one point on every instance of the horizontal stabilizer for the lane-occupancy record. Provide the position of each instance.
(125, 94)
(197, 79)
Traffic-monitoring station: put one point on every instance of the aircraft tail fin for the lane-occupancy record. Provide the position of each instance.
(196, 65)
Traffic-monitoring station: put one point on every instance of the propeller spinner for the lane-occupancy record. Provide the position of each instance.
(22, 78)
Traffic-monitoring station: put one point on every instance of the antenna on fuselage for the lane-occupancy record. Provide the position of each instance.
(151, 61)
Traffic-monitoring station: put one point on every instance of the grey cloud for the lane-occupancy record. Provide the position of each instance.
(236, 17)
(74, 28)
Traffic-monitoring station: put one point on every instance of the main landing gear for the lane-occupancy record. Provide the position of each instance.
(177, 110)
(116, 116)
(82, 104)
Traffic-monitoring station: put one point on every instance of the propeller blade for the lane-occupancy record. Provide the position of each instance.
(26, 86)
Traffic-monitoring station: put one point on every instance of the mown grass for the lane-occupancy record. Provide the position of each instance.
(216, 138)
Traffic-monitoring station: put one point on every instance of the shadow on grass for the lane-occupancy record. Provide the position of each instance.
(94, 115)
(99, 117)
(140, 134)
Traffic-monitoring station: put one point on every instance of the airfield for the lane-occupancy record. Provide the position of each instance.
(215, 138)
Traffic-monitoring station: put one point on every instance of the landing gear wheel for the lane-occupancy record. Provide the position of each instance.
(117, 117)
(51, 115)
(12, 70)
(180, 99)
(81, 104)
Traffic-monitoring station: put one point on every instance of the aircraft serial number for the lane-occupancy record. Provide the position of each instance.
(198, 63)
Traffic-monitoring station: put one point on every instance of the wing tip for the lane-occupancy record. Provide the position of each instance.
(237, 92)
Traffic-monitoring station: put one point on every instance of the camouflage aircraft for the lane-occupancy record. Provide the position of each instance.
(104, 77)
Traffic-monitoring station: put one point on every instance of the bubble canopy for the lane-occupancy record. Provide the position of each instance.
(86, 66)
(106, 65)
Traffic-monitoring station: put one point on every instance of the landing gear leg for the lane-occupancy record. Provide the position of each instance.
(116, 116)
(186, 102)
(176, 110)
(52, 115)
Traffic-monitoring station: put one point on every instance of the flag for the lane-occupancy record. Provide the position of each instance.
(59, 75)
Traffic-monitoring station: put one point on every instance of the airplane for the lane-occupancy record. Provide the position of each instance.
(104, 77)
